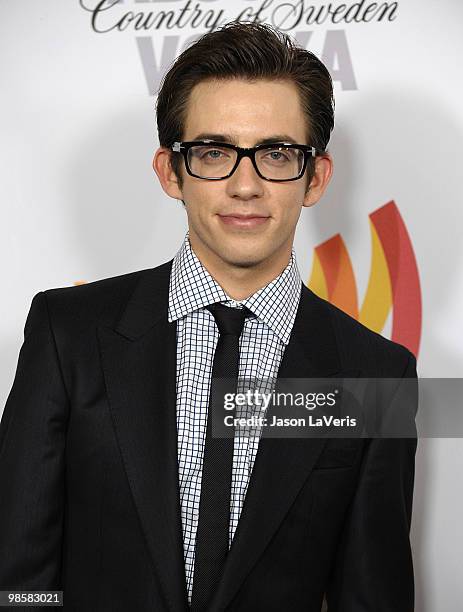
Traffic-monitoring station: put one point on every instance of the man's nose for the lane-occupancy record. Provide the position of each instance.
(245, 182)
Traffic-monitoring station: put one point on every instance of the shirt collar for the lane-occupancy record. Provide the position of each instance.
(192, 287)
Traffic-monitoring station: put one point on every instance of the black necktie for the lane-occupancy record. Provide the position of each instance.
(212, 536)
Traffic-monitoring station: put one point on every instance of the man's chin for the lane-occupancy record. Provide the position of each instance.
(240, 259)
(245, 264)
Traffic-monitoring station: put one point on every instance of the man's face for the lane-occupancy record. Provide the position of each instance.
(243, 220)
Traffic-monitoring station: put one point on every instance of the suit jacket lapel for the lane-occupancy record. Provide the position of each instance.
(282, 465)
(139, 362)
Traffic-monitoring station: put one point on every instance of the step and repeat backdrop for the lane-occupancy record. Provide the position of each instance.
(80, 201)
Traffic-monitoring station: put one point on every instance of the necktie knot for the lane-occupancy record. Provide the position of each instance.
(230, 321)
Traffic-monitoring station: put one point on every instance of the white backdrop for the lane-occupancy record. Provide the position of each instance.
(78, 133)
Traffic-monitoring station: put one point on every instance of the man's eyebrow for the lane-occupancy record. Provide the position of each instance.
(233, 140)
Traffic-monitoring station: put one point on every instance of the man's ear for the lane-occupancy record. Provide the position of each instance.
(165, 173)
(321, 178)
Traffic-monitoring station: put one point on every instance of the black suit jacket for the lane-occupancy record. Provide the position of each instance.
(89, 481)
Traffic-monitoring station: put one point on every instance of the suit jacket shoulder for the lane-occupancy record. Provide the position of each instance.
(102, 302)
(362, 348)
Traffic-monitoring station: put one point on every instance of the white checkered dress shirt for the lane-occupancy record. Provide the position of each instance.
(262, 344)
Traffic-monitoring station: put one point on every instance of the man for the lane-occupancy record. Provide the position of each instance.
(113, 488)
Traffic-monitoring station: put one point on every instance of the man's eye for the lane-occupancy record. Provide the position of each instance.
(209, 154)
(277, 155)
(214, 153)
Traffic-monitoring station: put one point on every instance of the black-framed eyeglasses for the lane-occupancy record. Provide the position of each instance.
(214, 161)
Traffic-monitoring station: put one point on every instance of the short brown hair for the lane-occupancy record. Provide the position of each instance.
(246, 51)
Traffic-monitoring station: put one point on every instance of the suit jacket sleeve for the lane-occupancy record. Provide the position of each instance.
(32, 444)
(374, 569)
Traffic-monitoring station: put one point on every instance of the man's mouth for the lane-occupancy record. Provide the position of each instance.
(248, 221)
